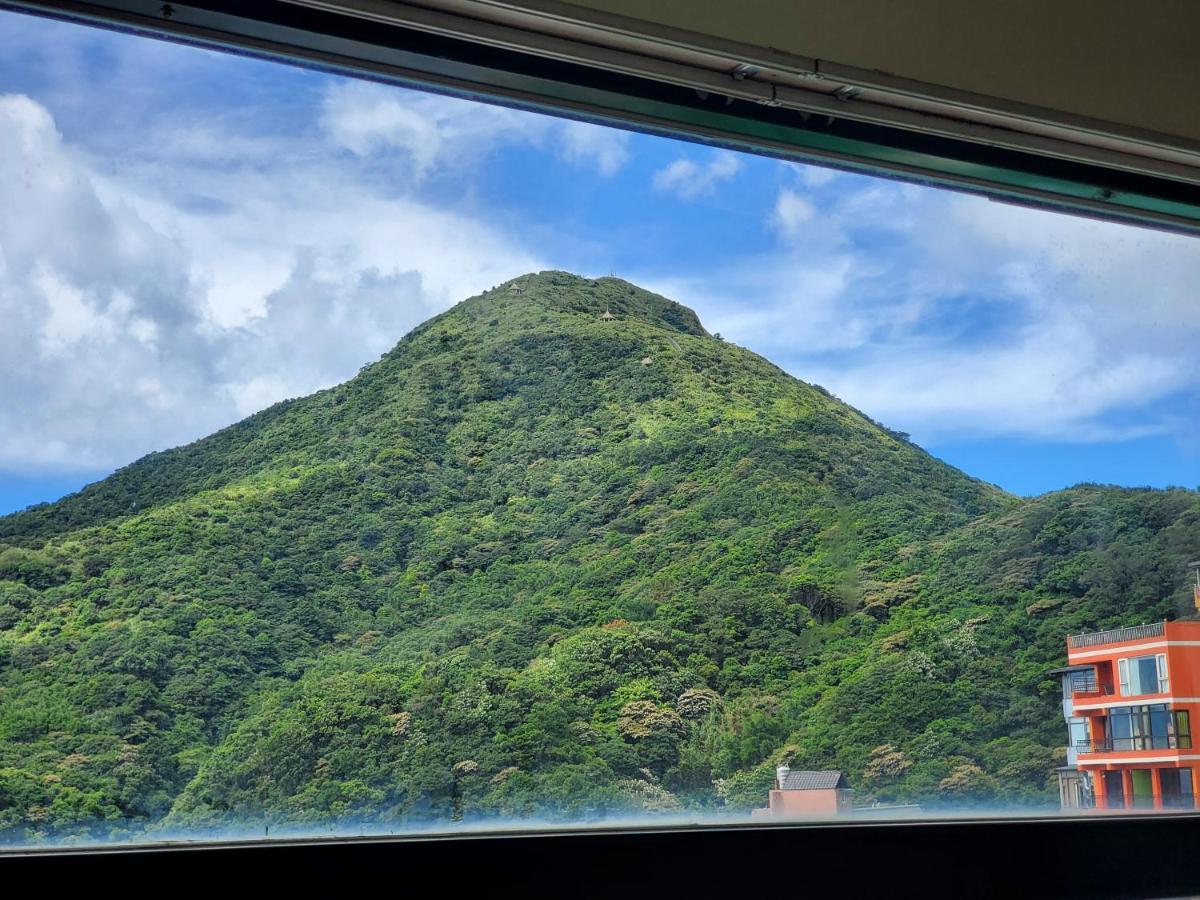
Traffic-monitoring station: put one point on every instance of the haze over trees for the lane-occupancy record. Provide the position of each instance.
(534, 562)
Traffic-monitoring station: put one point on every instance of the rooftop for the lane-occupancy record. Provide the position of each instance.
(814, 781)
(1066, 670)
(1115, 635)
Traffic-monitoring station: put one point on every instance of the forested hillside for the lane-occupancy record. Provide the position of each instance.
(534, 561)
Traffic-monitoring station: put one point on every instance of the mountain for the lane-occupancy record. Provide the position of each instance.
(559, 553)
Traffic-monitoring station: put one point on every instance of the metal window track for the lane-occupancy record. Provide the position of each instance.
(679, 84)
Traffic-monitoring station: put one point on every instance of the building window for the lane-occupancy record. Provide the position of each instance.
(1183, 730)
(1177, 790)
(1080, 738)
(1114, 790)
(1144, 727)
(1144, 675)
(1162, 728)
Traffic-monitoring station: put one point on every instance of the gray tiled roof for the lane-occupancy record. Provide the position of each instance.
(1064, 670)
(814, 781)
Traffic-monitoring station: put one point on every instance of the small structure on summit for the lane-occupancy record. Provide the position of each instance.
(516, 289)
(608, 317)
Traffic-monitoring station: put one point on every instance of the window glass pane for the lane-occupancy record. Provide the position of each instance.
(1183, 728)
(1143, 675)
(1079, 732)
(1161, 728)
(1114, 789)
(1121, 725)
(378, 460)
(1177, 788)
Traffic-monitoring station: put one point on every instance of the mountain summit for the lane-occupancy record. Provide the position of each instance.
(569, 293)
(559, 552)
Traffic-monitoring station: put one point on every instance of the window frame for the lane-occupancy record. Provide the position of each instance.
(1130, 666)
(615, 859)
(369, 43)
(1183, 729)
(701, 861)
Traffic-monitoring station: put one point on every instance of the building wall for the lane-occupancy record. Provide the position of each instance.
(805, 804)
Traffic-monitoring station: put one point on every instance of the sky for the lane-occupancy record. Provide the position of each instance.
(187, 237)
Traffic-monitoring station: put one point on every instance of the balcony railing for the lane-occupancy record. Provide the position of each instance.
(1089, 686)
(1115, 635)
(1141, 742)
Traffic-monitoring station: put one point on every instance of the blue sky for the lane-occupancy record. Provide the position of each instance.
(191, 236)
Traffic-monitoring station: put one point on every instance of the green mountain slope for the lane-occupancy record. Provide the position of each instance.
(537, 562)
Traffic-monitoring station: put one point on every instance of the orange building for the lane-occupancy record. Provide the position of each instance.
(806, 795)
(1129, 697)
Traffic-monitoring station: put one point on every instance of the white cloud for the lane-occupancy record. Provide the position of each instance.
(430, 130)
(606, 148)
(792, 212)
(1052, 381)
(367, 119)
(134, 323)
(949, 316)
(815, 176)
(689, 180)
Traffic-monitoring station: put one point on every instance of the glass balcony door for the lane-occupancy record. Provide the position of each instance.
(1114, 790)
(1177, 791)
(1154, 727)
(1142, 782)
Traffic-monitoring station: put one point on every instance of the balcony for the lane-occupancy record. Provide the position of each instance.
(1089, 687)
(1115, 635)
(1139, 742)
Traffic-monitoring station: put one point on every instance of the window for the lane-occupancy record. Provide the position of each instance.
(1114, 789)
(1080, 736)
(1177, 790)
(377, 460)
(1144, 675)
(1147, 728)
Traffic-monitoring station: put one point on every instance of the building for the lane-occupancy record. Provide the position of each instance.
(1129, 695)
(1074, 785)
(807, 794)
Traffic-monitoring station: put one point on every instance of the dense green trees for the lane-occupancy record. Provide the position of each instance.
(512, 568)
